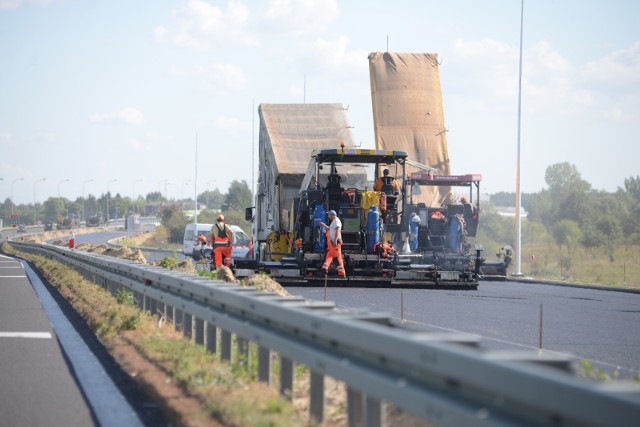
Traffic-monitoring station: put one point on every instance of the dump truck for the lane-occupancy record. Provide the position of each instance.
(95, 220)
(66, 223)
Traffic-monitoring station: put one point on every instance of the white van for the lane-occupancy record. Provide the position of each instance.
(241, 242)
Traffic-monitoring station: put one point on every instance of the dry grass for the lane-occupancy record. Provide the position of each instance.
(581, 265)
(149, 240)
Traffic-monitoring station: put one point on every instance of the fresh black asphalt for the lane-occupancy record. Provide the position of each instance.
(599, 325)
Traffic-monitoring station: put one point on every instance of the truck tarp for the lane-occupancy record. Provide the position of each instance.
(288, 135)
(407, 110)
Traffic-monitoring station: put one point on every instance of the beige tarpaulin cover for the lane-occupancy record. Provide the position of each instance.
(288, 135)
(292, 131)
(407, 109)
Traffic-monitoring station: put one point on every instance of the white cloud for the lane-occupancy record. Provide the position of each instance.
(301, 16)
(617, 69)
(618, 115)
(128, 115)
(140, 146)
(46, 136)
(223, 77)
(335, 54)
(5, 136)
(202, 26)
(218, 78)
(232, 125)
(15, 4)
(549, 81)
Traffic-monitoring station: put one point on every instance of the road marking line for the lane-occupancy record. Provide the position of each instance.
(46, 335)
(13, 276)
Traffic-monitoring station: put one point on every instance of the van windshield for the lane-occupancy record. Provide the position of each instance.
(241, 238)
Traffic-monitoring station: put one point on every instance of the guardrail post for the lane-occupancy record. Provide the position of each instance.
(286, 377)
(374, 412)
(199, 331)
(168, 313)
(161, 311)
(140, 299)
(188, 326)
(264, 365)
(316, 398)
(177, 319)
(152, 306)
(354, 408)
(211, 338)
(225, 345)
(243, 352)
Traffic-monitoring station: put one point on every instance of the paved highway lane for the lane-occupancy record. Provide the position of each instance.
(602, 326)
(36, 385)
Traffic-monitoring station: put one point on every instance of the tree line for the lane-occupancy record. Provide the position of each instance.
(234, 201)
(574, 213)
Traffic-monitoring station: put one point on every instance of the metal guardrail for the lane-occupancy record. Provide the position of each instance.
(442, 378)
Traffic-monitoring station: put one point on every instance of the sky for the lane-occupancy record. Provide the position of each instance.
(100, 96)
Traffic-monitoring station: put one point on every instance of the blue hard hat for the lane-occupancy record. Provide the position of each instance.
(332, 212)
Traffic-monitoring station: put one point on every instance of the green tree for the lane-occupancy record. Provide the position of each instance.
(564, 178)
(155, 196)
(53, 206)
(567, 190)
(212, 198)
(239, 196)
(540, 208)
(568, 233)
(632, 187)
(175, 221)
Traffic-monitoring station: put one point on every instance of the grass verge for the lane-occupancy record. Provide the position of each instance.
(193, 386)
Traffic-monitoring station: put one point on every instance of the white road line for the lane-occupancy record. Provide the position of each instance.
(14, 276)
(46, 335)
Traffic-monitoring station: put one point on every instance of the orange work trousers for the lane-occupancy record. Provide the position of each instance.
(334, 251)
(219, 251)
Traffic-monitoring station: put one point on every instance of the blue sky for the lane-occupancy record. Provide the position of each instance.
(110, 90)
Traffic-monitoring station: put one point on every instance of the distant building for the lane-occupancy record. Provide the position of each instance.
(510, 211)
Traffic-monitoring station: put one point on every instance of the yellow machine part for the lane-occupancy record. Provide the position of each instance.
(279, 244)
(370, 198)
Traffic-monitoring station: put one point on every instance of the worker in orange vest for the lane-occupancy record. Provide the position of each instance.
(221, 233)
(387, 184)
(334, 243)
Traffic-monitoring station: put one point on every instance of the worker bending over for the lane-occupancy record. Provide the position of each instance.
(334, 243)
(221, 233)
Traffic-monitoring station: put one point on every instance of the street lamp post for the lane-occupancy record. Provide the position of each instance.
(14, 181)
(166, 185)
(84, 215)
(60, 183)
(518, 271)
(186, 181)
(34, 198)
(109, 194)
(133, 199)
